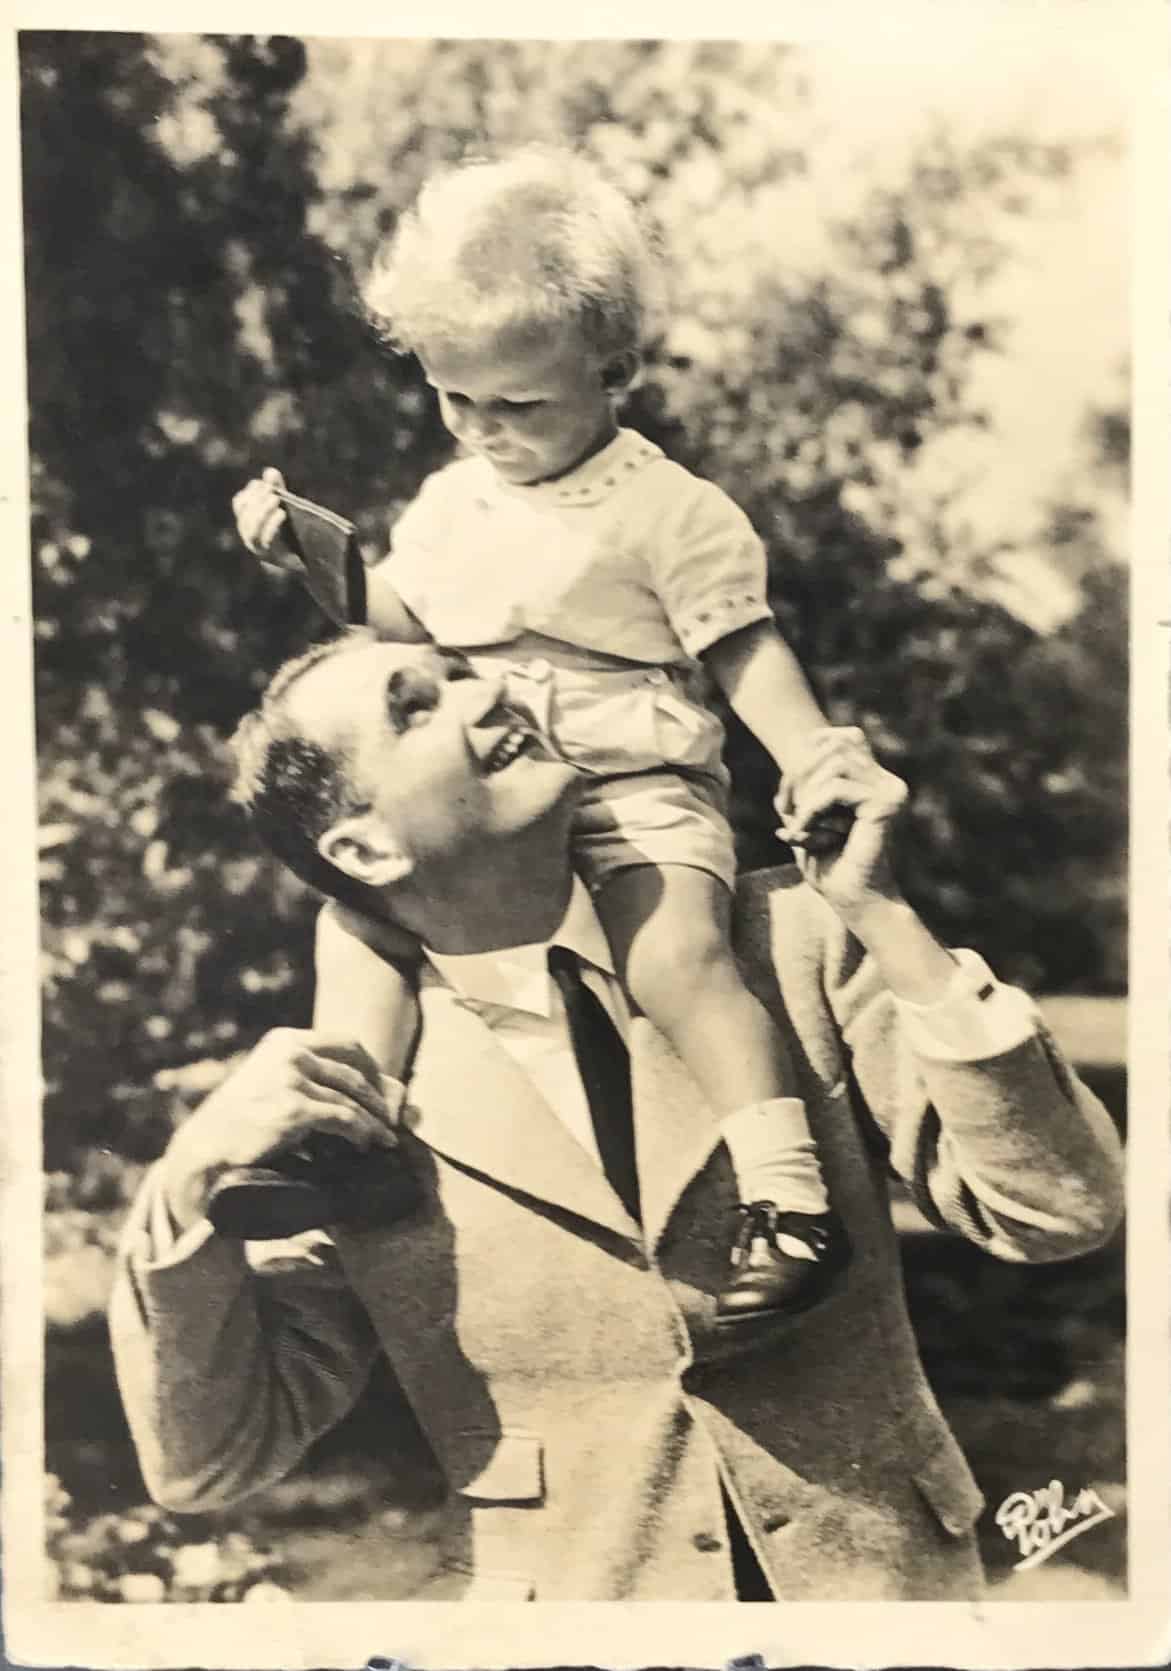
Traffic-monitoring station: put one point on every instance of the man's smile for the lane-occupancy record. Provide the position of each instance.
(501, 736)
(515, 742)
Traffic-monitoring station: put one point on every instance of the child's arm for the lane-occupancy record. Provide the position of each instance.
(366, 985)
(387, 613)
(764, 682)
(261, 522)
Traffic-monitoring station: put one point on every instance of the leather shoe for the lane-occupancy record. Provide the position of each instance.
(767, 1281)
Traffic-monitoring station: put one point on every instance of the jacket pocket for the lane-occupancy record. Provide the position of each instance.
(945, 1480)
(501, 1477)
(508, 1467)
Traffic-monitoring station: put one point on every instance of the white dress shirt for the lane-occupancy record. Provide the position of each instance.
(511, 990)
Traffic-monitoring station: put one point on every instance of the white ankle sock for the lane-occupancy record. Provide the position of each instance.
(774, 1156)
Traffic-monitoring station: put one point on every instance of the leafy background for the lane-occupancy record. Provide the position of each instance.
(196, 210)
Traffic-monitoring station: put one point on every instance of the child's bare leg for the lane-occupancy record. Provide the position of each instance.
(669, 930)
(365, 991)
(360, 991)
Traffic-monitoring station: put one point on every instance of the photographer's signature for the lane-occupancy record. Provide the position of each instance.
(1039, 1522)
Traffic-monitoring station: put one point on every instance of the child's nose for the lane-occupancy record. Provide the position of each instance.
(484, 424)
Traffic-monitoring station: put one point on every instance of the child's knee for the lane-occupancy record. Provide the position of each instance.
(678, 966)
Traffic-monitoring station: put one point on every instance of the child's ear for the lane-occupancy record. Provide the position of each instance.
(363, 849)
(620, 370)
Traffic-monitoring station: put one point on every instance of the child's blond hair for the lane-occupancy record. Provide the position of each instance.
(533, 239)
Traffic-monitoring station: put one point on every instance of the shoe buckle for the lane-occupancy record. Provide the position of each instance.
(746, 1234)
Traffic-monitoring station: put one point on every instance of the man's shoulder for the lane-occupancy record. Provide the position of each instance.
(780, 892)
(783, 923)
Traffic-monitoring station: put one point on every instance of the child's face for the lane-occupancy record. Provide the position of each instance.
(533, 405)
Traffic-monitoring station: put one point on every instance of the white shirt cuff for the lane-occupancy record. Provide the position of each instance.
(164, 1244)
(976, 1018)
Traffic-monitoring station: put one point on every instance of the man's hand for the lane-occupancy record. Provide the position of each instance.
(293, 1083)
(840, 771)
(261, 520)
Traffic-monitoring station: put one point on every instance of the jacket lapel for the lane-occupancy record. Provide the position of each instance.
(475, 1106)
(472, 1104)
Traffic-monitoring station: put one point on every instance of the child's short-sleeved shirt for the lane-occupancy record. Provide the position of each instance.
(629, 555)
(592, 598)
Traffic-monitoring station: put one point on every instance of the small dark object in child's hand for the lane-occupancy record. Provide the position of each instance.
(827, 833)
(325, 542)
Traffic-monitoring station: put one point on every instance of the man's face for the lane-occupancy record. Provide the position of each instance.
(444, 768)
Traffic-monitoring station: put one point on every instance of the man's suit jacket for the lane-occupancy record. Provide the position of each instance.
(565, 1365)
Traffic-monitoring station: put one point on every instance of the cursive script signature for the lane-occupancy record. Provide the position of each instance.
(1039, 1522)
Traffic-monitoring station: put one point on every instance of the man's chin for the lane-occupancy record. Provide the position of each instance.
(554, 771)
(535, 785)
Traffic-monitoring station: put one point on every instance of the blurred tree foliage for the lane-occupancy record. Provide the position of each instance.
(195, 209)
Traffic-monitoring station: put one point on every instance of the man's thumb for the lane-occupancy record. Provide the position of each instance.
(273, 477)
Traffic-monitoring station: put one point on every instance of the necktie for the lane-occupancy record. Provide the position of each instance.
(603, 1062)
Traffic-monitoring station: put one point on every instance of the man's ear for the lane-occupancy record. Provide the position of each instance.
(620, 370)
(363, 849)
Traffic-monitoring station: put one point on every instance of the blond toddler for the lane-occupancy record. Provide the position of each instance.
(604, 584)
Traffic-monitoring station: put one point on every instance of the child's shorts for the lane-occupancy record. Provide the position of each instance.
(657, 787)
(656, 818)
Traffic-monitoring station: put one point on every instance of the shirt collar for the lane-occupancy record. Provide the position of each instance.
(517, 977)
(619, 461)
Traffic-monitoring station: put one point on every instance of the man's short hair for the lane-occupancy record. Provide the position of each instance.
(292, 787)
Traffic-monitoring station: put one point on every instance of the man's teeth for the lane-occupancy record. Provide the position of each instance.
(506, 749)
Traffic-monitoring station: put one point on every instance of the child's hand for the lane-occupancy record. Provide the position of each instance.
(828, 829)
(261, 520)
(841, 779)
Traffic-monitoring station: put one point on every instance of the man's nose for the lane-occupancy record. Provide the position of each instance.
(410, 691)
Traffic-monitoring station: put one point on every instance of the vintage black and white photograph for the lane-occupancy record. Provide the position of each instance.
(580, 613)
